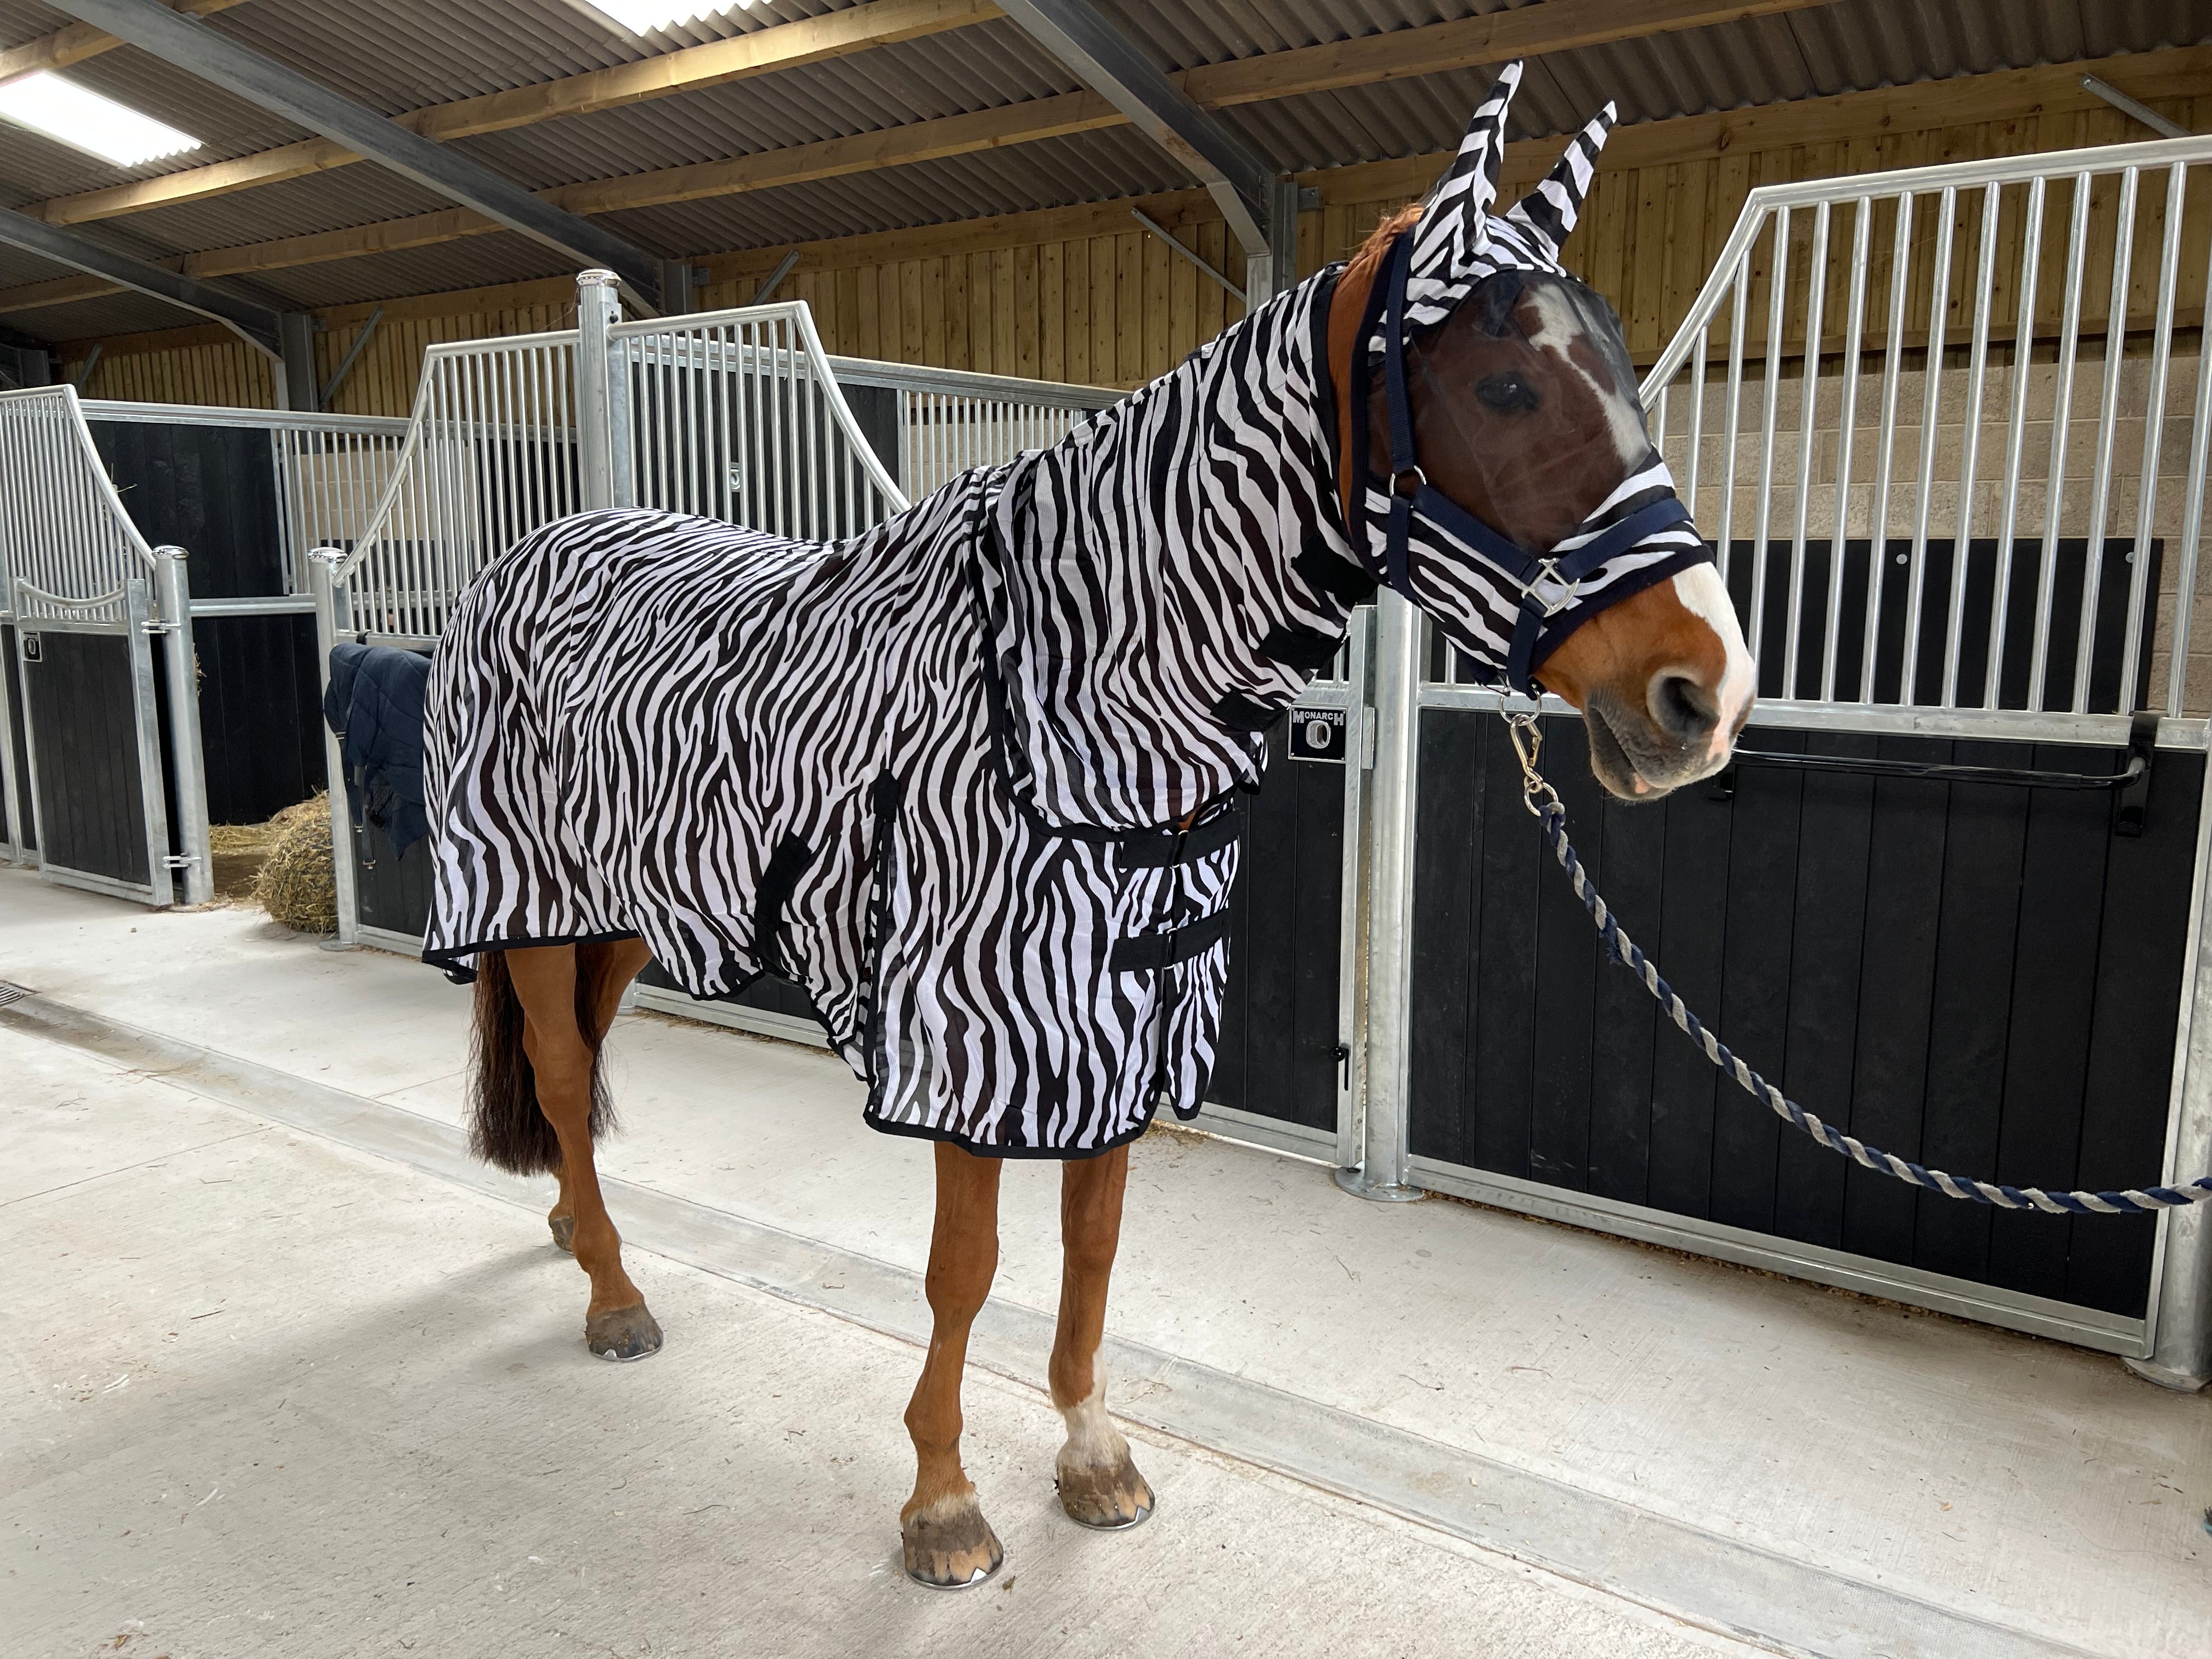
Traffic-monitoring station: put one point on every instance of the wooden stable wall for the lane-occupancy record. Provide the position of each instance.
(1084, 294)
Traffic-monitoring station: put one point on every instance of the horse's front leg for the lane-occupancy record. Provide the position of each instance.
(948, 1544)
(1099, 1484)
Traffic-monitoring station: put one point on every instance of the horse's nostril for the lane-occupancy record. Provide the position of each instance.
(1682, 708)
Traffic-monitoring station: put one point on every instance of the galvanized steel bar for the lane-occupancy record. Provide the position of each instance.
(1885, 450)
(1970, 456)
(146, 724)
(2192, 513)
(187, 758)
(2062, 409)
(1724, 545)
(1816, 287)
(2108, 410)
(324, 566)
(2132, 644)
(1847, 422)
(1769, 404)
(2023, 364)
(1931, 376)
(1383, 1167)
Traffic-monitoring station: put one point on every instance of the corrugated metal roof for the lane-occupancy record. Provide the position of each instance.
(402, 54)
(976, 68)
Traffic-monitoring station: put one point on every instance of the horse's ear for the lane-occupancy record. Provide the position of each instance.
(1452, 229)
(1549, 211)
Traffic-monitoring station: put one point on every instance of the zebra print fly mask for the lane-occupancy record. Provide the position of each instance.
(1504, 607)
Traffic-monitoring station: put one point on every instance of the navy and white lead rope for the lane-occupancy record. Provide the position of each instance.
(1552, 817)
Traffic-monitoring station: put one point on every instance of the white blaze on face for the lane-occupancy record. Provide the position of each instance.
(1705, 596)
(1557, 329)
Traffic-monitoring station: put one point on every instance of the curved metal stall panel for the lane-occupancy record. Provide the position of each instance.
(213, 489)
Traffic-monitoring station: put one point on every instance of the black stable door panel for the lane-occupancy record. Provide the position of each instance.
(1277, 1054)
(83, 729)
(1980, 978)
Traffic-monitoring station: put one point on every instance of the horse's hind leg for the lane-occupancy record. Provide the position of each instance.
(1099, 1484)
(607, 971)
(947, 1542)
(568, 996)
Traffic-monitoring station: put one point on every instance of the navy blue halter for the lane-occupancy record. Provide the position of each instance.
(1410, 492)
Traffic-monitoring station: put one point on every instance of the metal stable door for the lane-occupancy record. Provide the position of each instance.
(91, 716)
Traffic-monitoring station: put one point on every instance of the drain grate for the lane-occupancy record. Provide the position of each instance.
(13, 993)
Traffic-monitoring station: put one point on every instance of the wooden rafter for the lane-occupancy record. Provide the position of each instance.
(1962, 100)
(783, 47)
(1555, 25)
(79, 42)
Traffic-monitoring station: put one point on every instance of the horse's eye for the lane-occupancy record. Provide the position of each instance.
(1506, 392)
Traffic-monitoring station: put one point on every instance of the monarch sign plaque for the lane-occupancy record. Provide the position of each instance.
(1317, 734)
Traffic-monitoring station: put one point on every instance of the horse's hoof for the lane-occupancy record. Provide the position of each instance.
(950, 1546)
(564, 1232)
(1108, 1497)
(622, 1333)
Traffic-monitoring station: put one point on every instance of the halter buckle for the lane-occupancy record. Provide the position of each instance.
(1398, 481)
(1549, 570)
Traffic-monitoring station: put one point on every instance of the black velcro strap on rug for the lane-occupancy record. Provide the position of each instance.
(1149, 952)
(1165, 848)
(1347, 583)
(1301, 647)
(1241, 714)
(785, 866)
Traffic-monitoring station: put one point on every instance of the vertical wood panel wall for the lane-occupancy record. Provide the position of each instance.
(1086, 295)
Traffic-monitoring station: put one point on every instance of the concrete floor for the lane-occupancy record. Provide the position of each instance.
(1366, 1420)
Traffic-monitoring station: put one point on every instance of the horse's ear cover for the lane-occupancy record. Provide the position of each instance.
(1458, 242)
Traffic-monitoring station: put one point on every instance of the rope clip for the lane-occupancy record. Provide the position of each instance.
(1536, 794)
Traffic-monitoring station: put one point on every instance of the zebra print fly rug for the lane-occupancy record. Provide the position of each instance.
(970, 778)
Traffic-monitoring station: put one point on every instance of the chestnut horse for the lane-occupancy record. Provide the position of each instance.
(1528, 420)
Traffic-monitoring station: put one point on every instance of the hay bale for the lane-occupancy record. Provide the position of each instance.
(298, 885)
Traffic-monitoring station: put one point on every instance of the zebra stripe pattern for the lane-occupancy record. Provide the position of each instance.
(953, 738)
(967, 777)
(1623, 950)
(1457, 244)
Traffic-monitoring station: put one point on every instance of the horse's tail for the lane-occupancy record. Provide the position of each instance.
(508, 1129)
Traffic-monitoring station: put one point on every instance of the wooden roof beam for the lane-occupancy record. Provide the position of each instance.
(1555, 25)
(1964, 100)
(79, 42)
(763, 52)
(239, 70)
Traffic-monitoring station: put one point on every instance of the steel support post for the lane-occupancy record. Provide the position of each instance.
(602, 396)
(173, 593)
(322, 585)
(299, 388)
(2180, 1315)
(1382, 1171)
(15, 791)
(1351, 977)
(137, 628)
(1276, 271)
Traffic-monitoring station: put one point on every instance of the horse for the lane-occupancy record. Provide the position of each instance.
(973, 777)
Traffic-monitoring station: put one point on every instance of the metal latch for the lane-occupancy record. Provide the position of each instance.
(2131, 804)
(181, 860)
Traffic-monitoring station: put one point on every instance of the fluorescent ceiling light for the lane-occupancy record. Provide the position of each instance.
(639, 15)
(79, 116)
